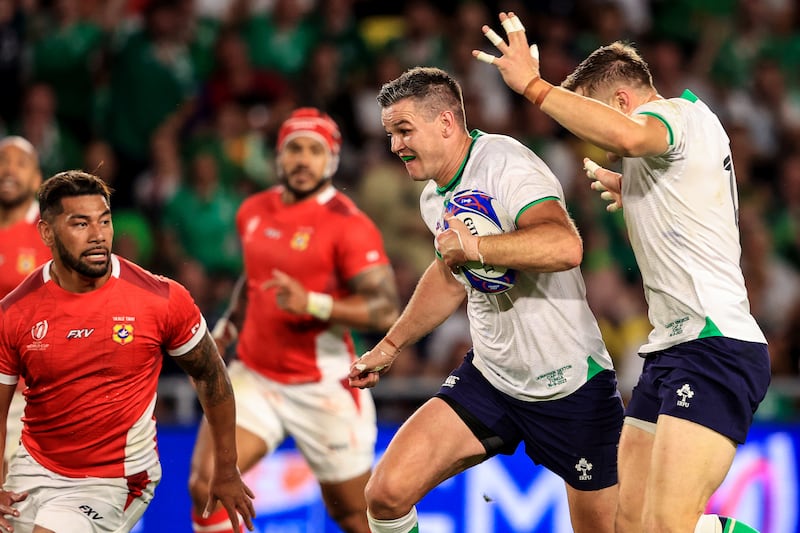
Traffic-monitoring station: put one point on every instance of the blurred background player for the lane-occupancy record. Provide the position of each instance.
(315, 267)
(88, 331)
(21, 248)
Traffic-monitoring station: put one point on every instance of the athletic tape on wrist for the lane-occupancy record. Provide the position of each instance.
(537, 96)
(319, 305)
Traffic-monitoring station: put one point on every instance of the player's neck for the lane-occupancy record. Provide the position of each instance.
(453, 165)
(12, 215)
(293, 197)
(72, 281)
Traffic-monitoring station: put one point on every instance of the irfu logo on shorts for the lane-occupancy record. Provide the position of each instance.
(685, 393)
(583, 466)
(450, 381)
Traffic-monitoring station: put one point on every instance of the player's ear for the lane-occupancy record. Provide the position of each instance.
(623, 100)
(45, 232)
(447, 122)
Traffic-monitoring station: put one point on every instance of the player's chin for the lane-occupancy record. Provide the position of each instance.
(96, 267)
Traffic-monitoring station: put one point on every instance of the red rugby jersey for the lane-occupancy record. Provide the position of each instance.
(91, 363)
(21, 250)
(322, 242)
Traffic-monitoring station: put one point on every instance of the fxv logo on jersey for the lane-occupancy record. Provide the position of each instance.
(79, 333)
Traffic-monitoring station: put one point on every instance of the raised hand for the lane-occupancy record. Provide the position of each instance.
(519, 64)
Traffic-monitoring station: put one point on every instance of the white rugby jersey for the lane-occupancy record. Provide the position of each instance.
(681, 211)
(538, 340)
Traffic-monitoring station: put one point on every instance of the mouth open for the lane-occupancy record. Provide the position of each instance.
(96, 255)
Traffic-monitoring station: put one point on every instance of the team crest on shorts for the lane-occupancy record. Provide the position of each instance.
(685, 394)
(584, 467)
(123, 334)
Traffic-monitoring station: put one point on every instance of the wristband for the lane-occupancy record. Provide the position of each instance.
(478, 249)
(388, 341)
(319, 305)
(534, 95)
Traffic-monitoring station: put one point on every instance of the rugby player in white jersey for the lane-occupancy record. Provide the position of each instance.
(538, 371)
(706, 364)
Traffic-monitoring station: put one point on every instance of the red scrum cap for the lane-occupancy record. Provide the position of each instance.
(310, 121)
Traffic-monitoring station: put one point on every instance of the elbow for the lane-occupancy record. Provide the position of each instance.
(573, 259)
(571, 255)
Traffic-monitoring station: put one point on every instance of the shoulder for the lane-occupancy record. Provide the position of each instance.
(503, 144)
(141, 278)
(494, 150)
(31, 284)
(340, 206)
(260, 199)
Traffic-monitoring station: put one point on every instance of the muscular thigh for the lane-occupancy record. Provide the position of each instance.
(689, 462)
(433, 445)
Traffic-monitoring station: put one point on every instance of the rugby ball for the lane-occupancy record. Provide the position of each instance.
(482, 215)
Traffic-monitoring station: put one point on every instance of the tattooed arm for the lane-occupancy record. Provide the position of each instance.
(371, 305)
(207, 370)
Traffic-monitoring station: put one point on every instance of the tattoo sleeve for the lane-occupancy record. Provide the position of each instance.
(205, 366)
(378, 289)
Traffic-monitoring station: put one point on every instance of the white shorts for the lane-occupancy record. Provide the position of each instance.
(79, 505)
(332, 424)
(14, 423)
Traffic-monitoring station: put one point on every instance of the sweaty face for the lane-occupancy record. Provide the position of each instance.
(82, 235)
(19, 176)
(415, 140)
(302, 166)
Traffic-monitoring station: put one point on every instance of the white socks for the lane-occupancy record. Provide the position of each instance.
(404, 524)
(711, 523)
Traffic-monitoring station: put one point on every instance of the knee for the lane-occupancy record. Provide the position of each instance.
(388, 497)
(628, 518)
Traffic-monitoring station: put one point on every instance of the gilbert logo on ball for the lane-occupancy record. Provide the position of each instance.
(482, 215)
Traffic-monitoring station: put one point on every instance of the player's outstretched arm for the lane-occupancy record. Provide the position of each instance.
(587, 118)
(207, 369)
(437, 295)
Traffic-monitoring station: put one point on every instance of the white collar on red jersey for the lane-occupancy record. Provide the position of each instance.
(114, 268)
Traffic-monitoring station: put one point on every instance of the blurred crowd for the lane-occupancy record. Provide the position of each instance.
(176, 104)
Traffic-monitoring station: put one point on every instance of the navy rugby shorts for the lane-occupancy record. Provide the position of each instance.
(716, 382)
(575, 437)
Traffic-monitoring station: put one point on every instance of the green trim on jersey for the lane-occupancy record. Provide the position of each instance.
(594, 368)
(710, 330)
(689, 95)
(662, 119)
(415, 529)
(441, 191)
(540, 200)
